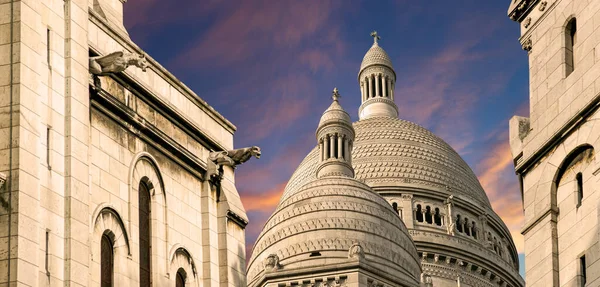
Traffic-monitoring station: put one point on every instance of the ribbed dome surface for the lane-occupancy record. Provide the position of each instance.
(330, 215)
(376, 56)
(394, 152)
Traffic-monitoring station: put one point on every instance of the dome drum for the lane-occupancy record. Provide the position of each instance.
(378, 107)
(332, 166)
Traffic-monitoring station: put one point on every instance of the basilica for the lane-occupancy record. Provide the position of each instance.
(115, 173)
(382, 202)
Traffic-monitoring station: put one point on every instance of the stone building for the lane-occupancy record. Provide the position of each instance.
(554, 149)
(459, 239)
(113, 176)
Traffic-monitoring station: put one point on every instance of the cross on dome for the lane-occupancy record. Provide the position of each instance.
(375, 36)
(336, 94)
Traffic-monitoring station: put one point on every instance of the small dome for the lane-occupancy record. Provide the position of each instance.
(376, 56)
(320, 223)
(335, 113)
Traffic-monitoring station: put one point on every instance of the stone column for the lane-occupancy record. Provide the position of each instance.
(370, 87)
(331, 146)
(386, 87)
(363, 90)
(350, 152)
(392, 90)
(321, 150)
(389, 88)
(340, 146)
(347, 151)
(377, 88)
(326, 147)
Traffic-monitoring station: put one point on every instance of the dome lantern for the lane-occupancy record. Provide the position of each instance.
(335, 136)
(377, 80)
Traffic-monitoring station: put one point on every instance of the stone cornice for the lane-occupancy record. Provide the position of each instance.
(343, 268)
(237, 219)
(166, 110)
(553, 212)
(131, 121)
(474, 254)
(570, 126)
(518, 9)
(161, 71)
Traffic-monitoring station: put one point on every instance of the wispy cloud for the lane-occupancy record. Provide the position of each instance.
(497, 177)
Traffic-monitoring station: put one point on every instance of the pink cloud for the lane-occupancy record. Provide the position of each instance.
(258, 25)
(495, 172)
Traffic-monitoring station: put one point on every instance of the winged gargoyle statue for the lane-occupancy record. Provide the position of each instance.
(115, 62)
(218, 159)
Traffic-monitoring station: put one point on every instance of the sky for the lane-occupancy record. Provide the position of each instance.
(270, 66)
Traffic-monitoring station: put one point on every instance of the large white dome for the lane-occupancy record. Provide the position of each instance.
(391, 151)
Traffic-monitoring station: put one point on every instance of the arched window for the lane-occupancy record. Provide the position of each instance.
(437, 218)
(106, 261)
(459, 224)
(180, 278)
(579, 178)
(395, 207)
(570, 41)
(473, 230)
(419, 213)
(428, 215)
(144, 221)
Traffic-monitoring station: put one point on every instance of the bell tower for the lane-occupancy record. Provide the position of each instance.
(377, 80)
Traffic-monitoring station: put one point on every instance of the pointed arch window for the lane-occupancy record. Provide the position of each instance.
(106, 261)
(144, 221)
(180, 278)
(570, 42)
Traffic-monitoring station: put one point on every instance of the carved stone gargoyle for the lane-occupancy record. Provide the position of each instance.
(115, 62)
(233, 158)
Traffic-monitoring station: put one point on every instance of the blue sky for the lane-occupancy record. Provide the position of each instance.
(270, 66)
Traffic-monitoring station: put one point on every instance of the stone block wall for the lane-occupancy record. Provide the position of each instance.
(74, 162)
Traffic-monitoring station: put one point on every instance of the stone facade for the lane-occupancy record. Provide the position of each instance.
(554, 148)
(75, 153)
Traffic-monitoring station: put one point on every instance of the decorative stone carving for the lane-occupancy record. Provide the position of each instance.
(216, 160)
(233, 158)
(527, 22)
(426, 280)
(527, 45)
(272, 262)
(543, 5)
(115, 62)
(356, 252)
(450, 219)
